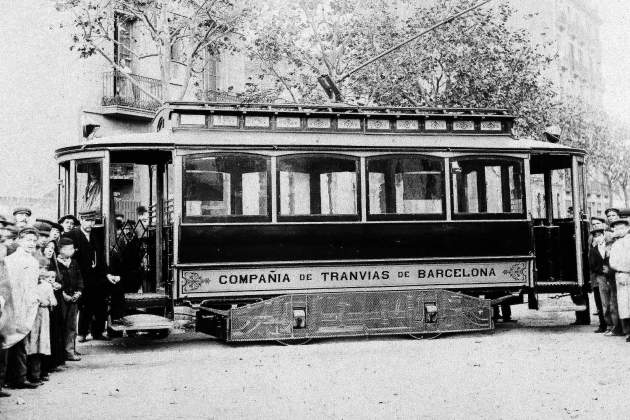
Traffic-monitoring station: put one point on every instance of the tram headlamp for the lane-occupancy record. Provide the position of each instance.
(88, 126)
(299, 318)
(430, 312)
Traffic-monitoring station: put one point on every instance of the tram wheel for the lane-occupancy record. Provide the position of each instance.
(429, 336)
(294, 341)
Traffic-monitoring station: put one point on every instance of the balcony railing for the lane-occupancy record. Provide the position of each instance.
(218, 96)
(118, 90)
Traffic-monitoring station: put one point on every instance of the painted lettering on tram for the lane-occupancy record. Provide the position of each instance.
(354, 275)
(254, 278)
(296, 278)
(456, 273)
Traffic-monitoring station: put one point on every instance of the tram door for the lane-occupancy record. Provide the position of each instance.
(559, 230)
(140, 239)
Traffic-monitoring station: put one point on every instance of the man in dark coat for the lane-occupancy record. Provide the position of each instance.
(598, 227)
(90, 257)
(599, 267)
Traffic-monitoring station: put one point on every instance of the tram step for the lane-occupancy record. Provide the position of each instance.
(146, 300)
(556, 286)
(558, 303)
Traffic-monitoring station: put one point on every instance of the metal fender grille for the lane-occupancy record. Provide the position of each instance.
(359, 313)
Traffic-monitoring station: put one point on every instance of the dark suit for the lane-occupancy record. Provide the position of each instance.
(595, 266)
(91, 260)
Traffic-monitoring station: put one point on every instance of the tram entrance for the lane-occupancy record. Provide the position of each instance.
(140, 228)
(557, 207)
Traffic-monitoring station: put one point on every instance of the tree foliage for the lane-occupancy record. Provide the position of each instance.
(478, 60)
(185, 33)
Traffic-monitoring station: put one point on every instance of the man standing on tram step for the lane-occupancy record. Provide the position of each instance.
(602, 279)
(90, 257)
(620, 264)
(597, 225)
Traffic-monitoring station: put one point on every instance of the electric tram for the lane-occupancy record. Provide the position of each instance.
(291, 222)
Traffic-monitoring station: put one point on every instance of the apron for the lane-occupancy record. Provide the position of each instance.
(623, 294)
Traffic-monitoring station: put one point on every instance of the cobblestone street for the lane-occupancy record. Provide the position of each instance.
(539, 367)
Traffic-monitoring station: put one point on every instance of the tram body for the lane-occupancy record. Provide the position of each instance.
(281, 222)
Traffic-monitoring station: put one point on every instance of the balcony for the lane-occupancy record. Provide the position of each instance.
(122, 98)
(219, 96)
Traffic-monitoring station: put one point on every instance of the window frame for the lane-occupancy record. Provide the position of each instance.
(482, 216)
(100, 216)
(226, 218)
(406, 216)
(319, 217)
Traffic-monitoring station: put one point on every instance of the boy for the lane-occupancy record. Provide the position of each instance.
(38, 341)
(72, 288)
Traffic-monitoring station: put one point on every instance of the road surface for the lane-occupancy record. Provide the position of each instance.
(540, 367)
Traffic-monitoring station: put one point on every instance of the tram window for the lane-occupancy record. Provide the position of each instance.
(317, 185)
(229, 187)
(561, 186)
(405, 185)
(487, 186)
(89, 186)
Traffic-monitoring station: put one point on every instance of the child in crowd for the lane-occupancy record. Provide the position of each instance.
(72, 288)
(57, 345)
(38, 341)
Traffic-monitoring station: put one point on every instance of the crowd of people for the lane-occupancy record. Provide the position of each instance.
(54, 284)
(609, 265)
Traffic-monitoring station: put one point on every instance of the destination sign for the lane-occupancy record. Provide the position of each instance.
(292, 279)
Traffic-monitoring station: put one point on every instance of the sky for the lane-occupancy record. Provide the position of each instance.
(39, 94)
(616, 56)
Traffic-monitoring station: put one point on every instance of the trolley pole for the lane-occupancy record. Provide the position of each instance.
(330, 86)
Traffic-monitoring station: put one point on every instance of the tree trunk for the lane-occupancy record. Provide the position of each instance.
(624, 188)
(165, 51)
(610, 191)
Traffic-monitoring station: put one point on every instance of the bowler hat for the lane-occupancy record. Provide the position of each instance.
(50, 225)
(65, 241)
(620, 222)
(596, 229)
(601, 219)
(42, 226)
(68, 216)
(616, 210)
(25, 210)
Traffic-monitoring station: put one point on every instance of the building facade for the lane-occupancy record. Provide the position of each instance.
(570, 31)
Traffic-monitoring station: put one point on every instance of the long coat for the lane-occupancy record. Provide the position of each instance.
(90, 257)
(620, 262)
(38, 341)
(22, 270)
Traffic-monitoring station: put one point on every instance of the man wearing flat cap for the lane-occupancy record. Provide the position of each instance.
(21, 216)
(91, 260)
(22, 273)
(620, 264)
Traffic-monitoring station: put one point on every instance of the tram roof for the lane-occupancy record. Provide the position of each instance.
(251, 140)
(199, 125)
